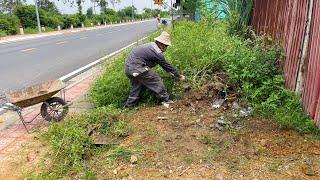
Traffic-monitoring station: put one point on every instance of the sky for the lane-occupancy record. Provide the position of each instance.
(66, 9)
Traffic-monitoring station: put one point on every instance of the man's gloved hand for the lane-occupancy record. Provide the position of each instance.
(182, 77)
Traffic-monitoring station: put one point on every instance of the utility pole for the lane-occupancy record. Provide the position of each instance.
(37, 13)
(172, 14)
(94, 7)
(132, 11)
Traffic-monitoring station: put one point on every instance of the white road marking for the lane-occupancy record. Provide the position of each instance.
(83, 38)
(62, 42)
(30, 49)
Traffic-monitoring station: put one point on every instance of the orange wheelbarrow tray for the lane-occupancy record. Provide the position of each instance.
(52, 108)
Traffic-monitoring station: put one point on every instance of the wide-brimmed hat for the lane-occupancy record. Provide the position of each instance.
(164, 38)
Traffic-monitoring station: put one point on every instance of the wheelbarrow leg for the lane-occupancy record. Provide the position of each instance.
(22, 120)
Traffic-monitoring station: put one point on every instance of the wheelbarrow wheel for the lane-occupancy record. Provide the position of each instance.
(54, 109)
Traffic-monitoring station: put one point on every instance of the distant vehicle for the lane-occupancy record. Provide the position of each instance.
(164, 22)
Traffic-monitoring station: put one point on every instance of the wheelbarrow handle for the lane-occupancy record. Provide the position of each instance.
(11, 107)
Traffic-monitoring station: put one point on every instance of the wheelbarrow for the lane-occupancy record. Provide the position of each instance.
(52, 108)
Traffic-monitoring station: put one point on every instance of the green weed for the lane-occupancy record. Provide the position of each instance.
(71, 144)
(252, 66)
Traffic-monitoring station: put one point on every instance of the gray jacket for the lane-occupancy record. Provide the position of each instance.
(146, 56)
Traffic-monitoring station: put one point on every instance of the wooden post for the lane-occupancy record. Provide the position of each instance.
(304, 54)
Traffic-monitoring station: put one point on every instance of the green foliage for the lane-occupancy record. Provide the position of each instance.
(236, 13)
(190, 6)
(2, 33)
(90, 13)
(200, 50)
(149, 13)
(103, 5)
(252, 67)
(113, 87)
(35, 30)
(9, 24)
(109, 11)
(120, 153)
(27, 15)
(31, 30)
(48, 6)
(7, 6)
(127, 12)
(71, 143)
(69, 20)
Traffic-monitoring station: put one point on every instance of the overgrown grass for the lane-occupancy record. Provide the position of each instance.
(2, 33)
(201, 49)
(251, 65)
(71, 142)
(113, 87)
(35, 30)
(198, 51)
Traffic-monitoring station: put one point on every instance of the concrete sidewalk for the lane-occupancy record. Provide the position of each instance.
(16, 38)
(76, 92)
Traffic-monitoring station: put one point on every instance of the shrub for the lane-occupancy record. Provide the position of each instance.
(71, 19)
(2, 33)
(31, 30)
(252, 67)
(9, 25)
(53, 21)
(27, 15)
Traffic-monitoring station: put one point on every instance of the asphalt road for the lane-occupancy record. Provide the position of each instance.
(34, 61)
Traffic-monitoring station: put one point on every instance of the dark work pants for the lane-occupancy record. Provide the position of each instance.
(149, 79)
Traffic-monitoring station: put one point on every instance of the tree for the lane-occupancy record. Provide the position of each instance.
(114, 2)
(147, 10)
(9, 24)
(127, 12)
(90, 13)
(103, 6)
(48, 6)
(7, 6)
(190, 6)
(79, 4)
(110, 11)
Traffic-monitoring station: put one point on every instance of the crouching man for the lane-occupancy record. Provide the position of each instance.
(138, 68)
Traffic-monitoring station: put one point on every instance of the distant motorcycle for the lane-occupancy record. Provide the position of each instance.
(164, 22)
